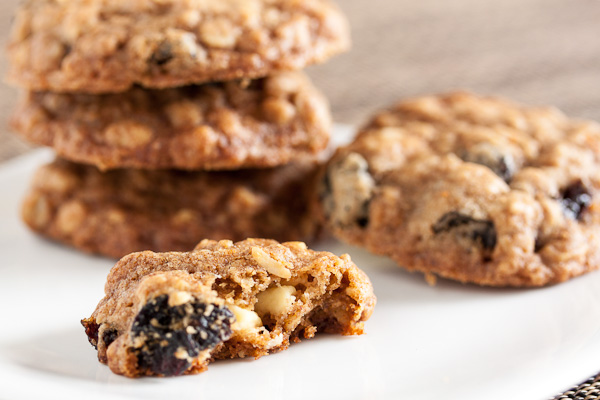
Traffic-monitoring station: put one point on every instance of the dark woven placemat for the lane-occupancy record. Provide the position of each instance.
(588, 390)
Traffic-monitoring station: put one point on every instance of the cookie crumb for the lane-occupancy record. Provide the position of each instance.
(431, 279)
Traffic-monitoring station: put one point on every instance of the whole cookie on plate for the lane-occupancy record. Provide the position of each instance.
(102, 46)
(471, 188)
(237, 124)
(122, 211)
(168, 314)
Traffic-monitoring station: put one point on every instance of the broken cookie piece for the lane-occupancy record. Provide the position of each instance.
(167, 314)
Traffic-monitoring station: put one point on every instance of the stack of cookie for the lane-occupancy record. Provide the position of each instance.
(174, 120)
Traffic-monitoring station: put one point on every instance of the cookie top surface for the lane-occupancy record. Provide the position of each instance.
(263, 261)
(238, 124)
(277, 292)
(122, 211)
(472, 188)
(102, 46)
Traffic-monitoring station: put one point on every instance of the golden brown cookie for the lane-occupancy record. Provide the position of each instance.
(103, 46)
(122, 211)
(261, 123)
(471, 188)
(168, 314)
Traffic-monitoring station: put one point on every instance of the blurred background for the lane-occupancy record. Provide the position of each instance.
(534, 51)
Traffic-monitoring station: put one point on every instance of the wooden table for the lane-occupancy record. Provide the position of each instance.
(535, 51)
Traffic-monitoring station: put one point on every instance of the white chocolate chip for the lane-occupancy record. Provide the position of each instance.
(245, 319)
(275, 301)
(272, 266)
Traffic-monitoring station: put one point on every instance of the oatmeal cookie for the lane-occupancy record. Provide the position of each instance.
(103, 46)
(261, 123)
(122, 211)
(168, 314)
(471, 188)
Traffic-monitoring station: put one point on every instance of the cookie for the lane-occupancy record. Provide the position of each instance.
(122, 211)
(471, 188)
(168, 314)
(238, 124)
(103, 46)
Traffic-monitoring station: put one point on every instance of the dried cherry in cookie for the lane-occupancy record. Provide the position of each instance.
(163, 54)
(346, 191)
(91, 330)
(109, 336)
(480, 232)
(502, 164)
(575, 199)
(471, 188)
(168, 337)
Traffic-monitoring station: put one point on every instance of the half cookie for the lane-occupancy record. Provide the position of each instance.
(232, 125)
(104, 46)
(471, 188)
(168, 314)
(122, 211)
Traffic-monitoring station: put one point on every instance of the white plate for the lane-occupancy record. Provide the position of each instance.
(450, 341)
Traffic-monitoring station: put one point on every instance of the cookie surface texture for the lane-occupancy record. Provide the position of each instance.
(171, 313)
(122, 211)
(471, 188)
(262, 123)
(104, 46)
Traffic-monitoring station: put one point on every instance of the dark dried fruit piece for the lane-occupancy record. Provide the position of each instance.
(347, 190)
(480, 231)
(364, 220)
(109, 336)
(502, 164)
(575, 199)
(168, 338)
(163, 54)
(91, 330)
